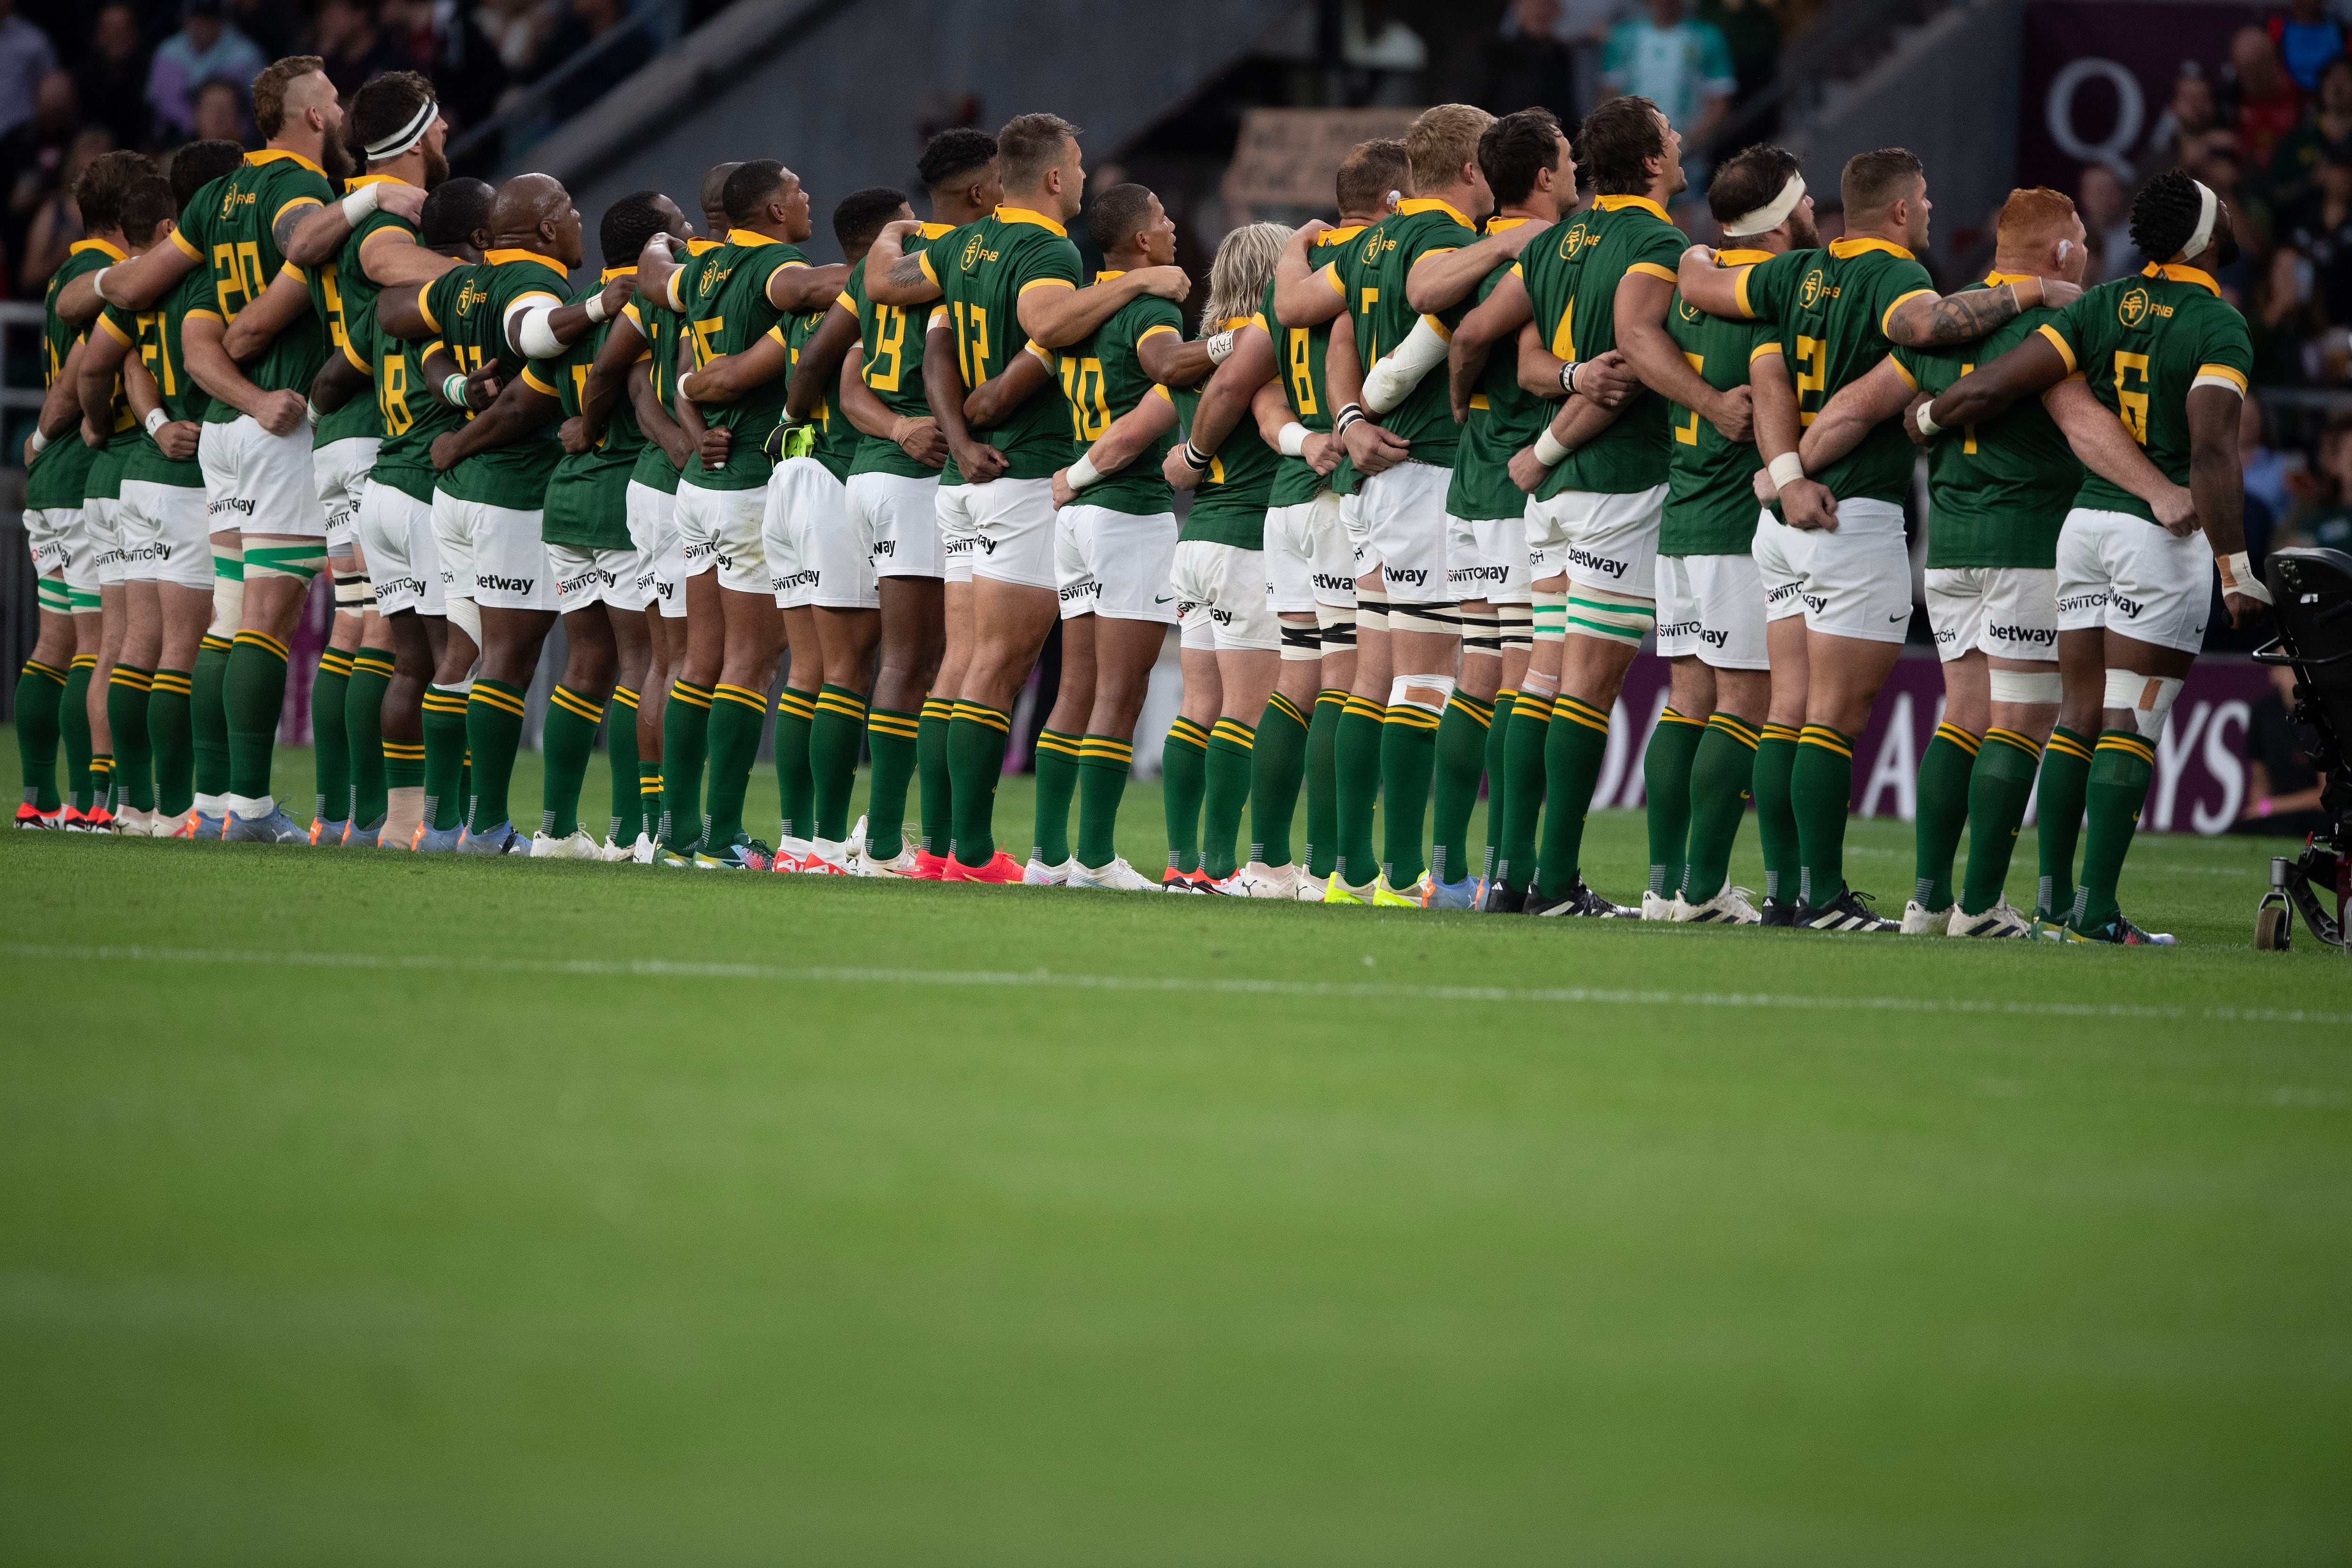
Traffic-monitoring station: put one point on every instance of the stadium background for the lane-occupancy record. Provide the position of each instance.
(1234, 111)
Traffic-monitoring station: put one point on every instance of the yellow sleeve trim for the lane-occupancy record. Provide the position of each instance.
(1440, 328)
(1739, 292)
(671, 291)
(1442, 250)
(1045, 356)
(1652, 270)
(2221, 373)
(777, 332)
(364, 368)
(939, 318)
(1047, 283)
(290, 270)
(923, 260)
(1761, 350)
(636, 320)
(1901, 300)
(530, 379)
(120, 336)
(425, 308)
(1330, 275)
(190, 251)
(290, 206)
(1904, 370)
(790, 265)
(1163, 392)
(207, 315)
(2056, 342)
(1150, 333)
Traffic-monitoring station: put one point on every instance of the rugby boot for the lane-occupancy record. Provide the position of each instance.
(275, 827)
(34, 820)
(358, 837)
(431, 840)
(746, 854)
(500, 839)
(1437, 895)
(1312, 887)
(1339, 890)
(328, 835)
(1581, 903)
(578, 844)
(1849, 912)
(1779, 912)
(1260, 881)
(1038, 874)
(2001, 921)
(1918, 920)
(2121, 932)
(1732, 907)
(900, 868)
(827, 859)
(1119, 877)
(1502, 899)
(930, 868)
(1002, 870)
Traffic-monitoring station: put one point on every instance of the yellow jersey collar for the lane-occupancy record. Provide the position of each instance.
(933, 230)
(1503, 224)
(2179, 274)
(1107, 277)
(1741, 257)
(1432, 204)
(1233, 322)
(272, 155)
(355, 182)
(1616, 203)
(1340, 235)
(1846, 249)
(1996, 278)
(1023, 214)
(697, 247)
(108, 251)
(508, 258)
(748, 237)
(611, 272)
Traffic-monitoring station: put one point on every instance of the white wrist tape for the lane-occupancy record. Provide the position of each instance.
(310, 411)
(596, 307)
(1787, 468)
(156, 420)
(535, 337)
(40, 442)
(1083, 473)
(2020, 686)
(362, 202)
(1548, 450)
(1220, 346)
(1928, 426)
(2148, 696)
(453, 391)
(1293, 439)
(98, 281)
(2238, 577)
(1400, 371)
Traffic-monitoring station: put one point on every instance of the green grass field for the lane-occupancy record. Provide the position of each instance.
(362, 1209)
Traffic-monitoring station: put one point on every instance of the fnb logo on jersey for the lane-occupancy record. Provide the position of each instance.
(232, 199)
(712, 277)
(470, 296)
(1574, 240)
(974, 253)
(2136, 306)
(1814, 290)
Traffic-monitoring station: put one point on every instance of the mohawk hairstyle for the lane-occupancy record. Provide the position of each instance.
(958, 150)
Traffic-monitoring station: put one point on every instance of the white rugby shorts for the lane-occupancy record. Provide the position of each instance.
(1852, 583)
(98, 521)
(1402, 511)
(1597, 539)
(1488, 558)
(162, 532)
(340, 470)
(1115, 563)
(1711, 607)
(258, 483)
(895, 520)
(2131, 577)
(721, 529)
(58, 546)
(2010, 612)
(661, 549)
(585, 577)
(1308, 560)
(1220, 592)
(958, 534)
(1011, 523)
(397, 535)
(812, 557)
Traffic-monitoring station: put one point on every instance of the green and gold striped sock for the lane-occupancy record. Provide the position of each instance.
(894, 740)
(1722, 770)
(1998, 786)
(208, 718)
(1356, 768)
(2059, 798)
(1666, 790)
(628, 813)
(126, 716)
(1104, 762)
(364, 728)
(1323, 782)
(1821, 788)
(494, 715)
(1462, 733)
(1523, 788)
(686, 739)
(1183, 780)
(1277, 765)
(1057, 781)
(444, 720)
(2122, 765)
(168, 734)
(738, 713)
(566, 744)
(1942, 814)
(40, 691)
(938, 813)
(977, 736)
(835, 735)
(1498, 751)
(1574, 749)
(330, 743)
(1227, 780)
(253, 694)
(795, 787)
(73, 724)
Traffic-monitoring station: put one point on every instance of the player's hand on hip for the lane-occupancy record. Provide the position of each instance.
(1168, 282)
(1179, 473)
(1608, 380)
(1063, 494)
(179, 439)
(1766, 492)
(1374, 449)
(717, 442)
(1807, 504)
(921, 439)
(1734, 414)
(2176, 509)
(574, 433)
(978, 462)
(444, 451)
(282, 413)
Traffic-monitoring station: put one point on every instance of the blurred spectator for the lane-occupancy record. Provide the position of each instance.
(2265, 474)
(220, 113)
(2283, 321)
(274, 25)
(1680, 64)
(2321, 231)
(2220, 168)
(1753, 34)
(1529, 64)
(2295, 168)
(2190, 114)
(2269, 103)
(2105, 209)
(621, 43)
(517, 28)
(2307, 39)
(58, 222)
(206, 47)
(39, 152)
(446, 45)
(2331, 524)
(112, 77)
(2282, 786)
(26, 57)
(355, 48)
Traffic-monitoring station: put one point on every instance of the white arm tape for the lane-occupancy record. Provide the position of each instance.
(1220, 347)
(156, 420)
(2238, 577)
(1786, 468)
(1548, 450)
(1083, 473)
(595, 306)
(98, 281)
(535, 337)
(359, 202)
(1928, 426)
(40, 442)
(1401, 368)
(1293, 439)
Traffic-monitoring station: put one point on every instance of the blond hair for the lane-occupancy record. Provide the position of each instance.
(1244, 267)
(1441, 140)
(270, 90)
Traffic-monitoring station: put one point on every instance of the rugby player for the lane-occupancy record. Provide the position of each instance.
(2164, 352)
(729, 298)
(1839, 560)
(1997, 500)
(1010, 289)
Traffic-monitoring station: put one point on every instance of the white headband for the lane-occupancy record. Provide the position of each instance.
(2208, 205)
(407, 136)
(1771, 215)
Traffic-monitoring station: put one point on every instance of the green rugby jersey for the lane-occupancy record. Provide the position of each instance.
(1997, 492)
(1571, 272)
(227, 226)
(1385, 256)
(1504, 417)
(1103, 380)
(587, 498)
(1229, 504)
(60, 470)
(468, 307)
(1299, 352)
(104, 480)
(890, 351)
(982, 270)
(413, 414)
(1351, 275)
(155, 335)
(1831, 307)
(2142, 342)
(1711, 506)
(345, 298)
(723, 295)
(662, 330)
(836, 438)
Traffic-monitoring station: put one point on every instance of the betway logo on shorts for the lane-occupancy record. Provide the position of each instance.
(884, 547)
(483, 580)
(806, 578)
(2082, 602)
(1078, 590)
(2028, 636)
(1598, 562)
(2130, 607)
(1680, 629)
(1326, 580)
(234, 503)
(1413, 575)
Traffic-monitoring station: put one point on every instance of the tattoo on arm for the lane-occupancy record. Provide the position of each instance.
(1962, 317)
(282, 231)
(909, 273)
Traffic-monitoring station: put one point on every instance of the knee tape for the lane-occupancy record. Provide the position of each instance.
(1548, 616)
(54, 596)
(1516, 626)
(1371, 610)
(301, 562)
(1335, 628)
(2149, 697)
(228, 607)
(1482, 632)
(1414, 698)
(1609, 617)
(1300, 644)
(354, 593)
(1442, 618)
(466, 617)
(2027, 688)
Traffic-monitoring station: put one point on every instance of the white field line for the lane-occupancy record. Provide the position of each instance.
(670, 969)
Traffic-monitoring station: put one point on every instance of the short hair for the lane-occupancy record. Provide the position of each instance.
(2164, 215)
(2032, 215)
(1616, 142)
(1517, 149)
(1116, 214)
(713, 194)
(99, 191)
(749, 187)
(1748, 179)
(146, 204)
(958, 150)
(454, 210)
(1369, 171)
(199, 163)
(627, 226)
(383, 107)
(1029, 145)
(858, 217)
(1874, 182)
(270, 90)
(1441, 140)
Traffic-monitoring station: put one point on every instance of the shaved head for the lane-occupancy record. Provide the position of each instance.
(714, 195)
(534, 212)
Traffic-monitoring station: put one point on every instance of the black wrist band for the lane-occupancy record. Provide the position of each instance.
(1195, 459)
(1568, 376)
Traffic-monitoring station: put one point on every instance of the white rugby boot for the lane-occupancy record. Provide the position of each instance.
(1918, 920)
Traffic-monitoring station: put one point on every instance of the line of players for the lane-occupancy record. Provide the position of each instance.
(1393, 583)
